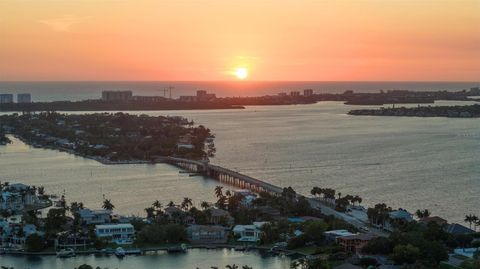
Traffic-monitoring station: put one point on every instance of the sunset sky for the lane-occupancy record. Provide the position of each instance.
(210, 40)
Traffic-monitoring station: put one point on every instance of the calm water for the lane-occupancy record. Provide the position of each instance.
(203, 259)
(406, 162)
(48, 91)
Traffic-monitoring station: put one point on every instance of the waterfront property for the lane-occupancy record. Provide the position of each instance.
(88, 216)
(334, 234)
(355, 243)
(207, 234)
(116, 233)
(249, 233)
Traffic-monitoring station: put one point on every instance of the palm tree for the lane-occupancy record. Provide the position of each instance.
(469, 219)
(107, 205)
(204, 205)
(233, 266)
(170, 204)
(186, 204)
(219, 191)
(157, 204)
(150, 212)
(422, 213)
(475, 222)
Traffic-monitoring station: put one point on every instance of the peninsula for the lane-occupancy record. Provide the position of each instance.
(472, 111)
(112, 138)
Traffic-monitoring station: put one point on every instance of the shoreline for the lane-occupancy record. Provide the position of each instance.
(144, 250)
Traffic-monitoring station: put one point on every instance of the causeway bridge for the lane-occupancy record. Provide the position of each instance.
(230, 177)
(224, 175)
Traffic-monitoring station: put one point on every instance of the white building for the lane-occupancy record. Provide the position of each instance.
(116, 233)
(249, 233)
(88, 216)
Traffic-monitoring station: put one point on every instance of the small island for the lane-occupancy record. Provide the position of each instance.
(472, 111)
(112, 138)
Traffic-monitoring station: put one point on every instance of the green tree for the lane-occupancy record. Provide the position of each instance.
(34, 243)
(314, 230)
(405, 254)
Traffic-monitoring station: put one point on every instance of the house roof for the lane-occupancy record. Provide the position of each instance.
(435, 219)
(456, 228)
(365, 237)
(347, 266)
(401, 214)
(215, 212)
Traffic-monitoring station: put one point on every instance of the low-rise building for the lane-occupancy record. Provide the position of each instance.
(249, 233)
(207, 234)
(334, 234)
(116, 233)
(117, 95)
(220, 216)
(88, 216)
(354, 243)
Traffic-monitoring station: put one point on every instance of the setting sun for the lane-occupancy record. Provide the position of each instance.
(241, 73)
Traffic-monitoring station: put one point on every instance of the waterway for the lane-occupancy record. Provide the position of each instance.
(405, 162)
(195, 258)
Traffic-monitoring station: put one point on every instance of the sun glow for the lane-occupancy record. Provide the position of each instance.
(241, 73)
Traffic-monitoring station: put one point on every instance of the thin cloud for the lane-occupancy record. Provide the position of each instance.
(63, 24)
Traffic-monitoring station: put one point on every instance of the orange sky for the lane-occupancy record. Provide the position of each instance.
(273, 39)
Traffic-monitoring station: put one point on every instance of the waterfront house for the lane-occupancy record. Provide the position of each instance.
(207, 234)
(249, 233)
(435, 219)
(400, 216)
(116, 233)
(334, 234)
(247, 197)
(220, 216)
(88, 216)
(456, 229)
(354, 243)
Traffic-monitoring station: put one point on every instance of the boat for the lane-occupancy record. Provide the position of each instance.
(66, 253)
(182, 248)
(120, 252)
(240, 248)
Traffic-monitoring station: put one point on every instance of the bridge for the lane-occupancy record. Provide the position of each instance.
(224, 175)
(236, 179)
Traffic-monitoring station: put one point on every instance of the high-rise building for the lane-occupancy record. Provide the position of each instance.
(24, 98)
(308, 92)
(116, 95)
(6, 98)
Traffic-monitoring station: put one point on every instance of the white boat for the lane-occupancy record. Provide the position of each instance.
(120, 252)
(66, 253)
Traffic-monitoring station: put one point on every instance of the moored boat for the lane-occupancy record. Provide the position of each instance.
(66, 253)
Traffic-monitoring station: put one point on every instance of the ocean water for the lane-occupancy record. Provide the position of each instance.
(413, 163)
(50, 91)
